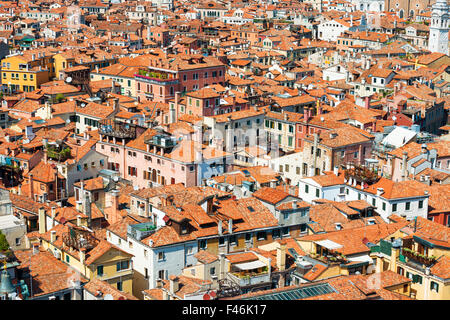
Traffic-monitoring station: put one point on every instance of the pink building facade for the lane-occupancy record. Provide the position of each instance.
(154, 159)
(159, 84)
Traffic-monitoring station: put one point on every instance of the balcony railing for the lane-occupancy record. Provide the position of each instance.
(417, 257)
(361, 174)
(60, 155)
(330, 259)
(156, 77)
(113, 128)
(249, 280)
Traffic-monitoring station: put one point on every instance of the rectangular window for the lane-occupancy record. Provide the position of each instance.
(248, 237)
(434, 286)
(161, 256)
(276, 233)
(119, 285)
(202, 244)
(221, 241)
(261, 235)
(420, 204)
(212, 271)
(122, 265)
(394, 207)
(100, 271)
(317, 193)
(384, 206)
(233, 241)
(408, 206)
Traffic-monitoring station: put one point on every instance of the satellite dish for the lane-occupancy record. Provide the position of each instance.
(394, 118)
(68, 121)
(108, 297)
(115, 178)
(83, 105)
(69, 79)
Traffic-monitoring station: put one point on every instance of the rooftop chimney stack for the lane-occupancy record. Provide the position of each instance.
(42, 221)
(404, 164)
(219, 227)
(87, 208)
(281, 256)
(52, 236)
(173, 284)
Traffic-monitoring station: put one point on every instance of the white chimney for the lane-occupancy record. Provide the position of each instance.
(336, 171)
(380, 191)
(219, 227)
(52, 236)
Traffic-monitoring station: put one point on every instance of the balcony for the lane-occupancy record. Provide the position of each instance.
(59, 154)
(141, 230)
(78, 239)
(416, 257)
(329, 259)
(361, 174)
(158, 78)
(163, 141)
(249, 279)
(117, 129)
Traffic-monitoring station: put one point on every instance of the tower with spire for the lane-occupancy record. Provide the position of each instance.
(439, 27)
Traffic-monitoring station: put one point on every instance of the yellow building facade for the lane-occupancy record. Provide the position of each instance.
(420, 261)
(20, 73)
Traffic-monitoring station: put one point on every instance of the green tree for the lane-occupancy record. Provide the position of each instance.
(59, 97)
(4, 245)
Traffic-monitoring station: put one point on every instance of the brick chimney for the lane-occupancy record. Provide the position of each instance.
(31, 187)
(367, 102)
(305, 115)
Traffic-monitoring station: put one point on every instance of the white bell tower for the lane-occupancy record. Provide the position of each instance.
(439, 27)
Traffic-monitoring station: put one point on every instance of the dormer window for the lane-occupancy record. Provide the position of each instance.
(184, 229)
